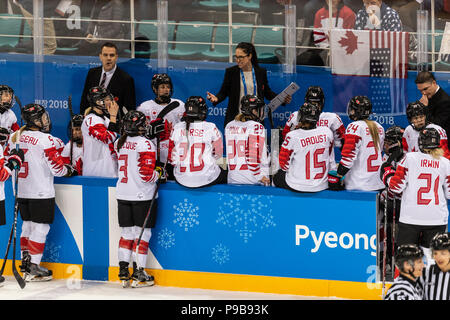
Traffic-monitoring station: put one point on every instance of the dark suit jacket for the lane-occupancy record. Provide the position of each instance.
(439, 110)
(121, 86)
(231, 88)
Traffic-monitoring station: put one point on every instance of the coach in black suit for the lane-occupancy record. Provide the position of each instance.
(436, 99)
(109, 75)
(234, 87)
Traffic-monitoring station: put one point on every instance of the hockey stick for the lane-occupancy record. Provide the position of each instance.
(393, 238)
(383, 292)
(69, 101)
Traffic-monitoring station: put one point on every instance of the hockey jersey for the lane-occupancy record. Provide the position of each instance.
(424, 184)
(136, 170)
(194, 156)
(42, 162)
(410, 140)
(151, 109)
(346, 20)
(8, 120)
(305, 156)
(360, 155)
(247, 155)
(77, 159)
(5, 173)
(99, 157)
(405, 289)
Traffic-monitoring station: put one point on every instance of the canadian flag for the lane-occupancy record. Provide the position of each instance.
(372, 53)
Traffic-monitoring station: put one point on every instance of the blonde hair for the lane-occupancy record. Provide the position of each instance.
(436, 153)
(16, 135)
(373, 130)
(242, 117)
(87, 111)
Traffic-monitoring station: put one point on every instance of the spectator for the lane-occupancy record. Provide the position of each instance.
(437, 100)
(377, 15)
(407, 10)
(345, 20)
(116, 80)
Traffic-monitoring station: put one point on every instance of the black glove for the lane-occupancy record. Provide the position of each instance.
(395, 152)
(70, 171)
(162, 174)
(335, 182)
(386, 171)
(155, 128)
(15, 159)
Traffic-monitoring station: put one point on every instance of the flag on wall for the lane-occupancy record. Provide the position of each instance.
(372, 63)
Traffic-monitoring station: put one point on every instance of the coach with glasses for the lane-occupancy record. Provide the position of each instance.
(247, 77)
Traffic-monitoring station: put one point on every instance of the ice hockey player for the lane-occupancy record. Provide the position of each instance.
(73, 150)
(8, 119)
(245, 139)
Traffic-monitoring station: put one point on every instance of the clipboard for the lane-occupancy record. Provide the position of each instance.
(279, 99)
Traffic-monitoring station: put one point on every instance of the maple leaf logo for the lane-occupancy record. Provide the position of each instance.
(349, 42)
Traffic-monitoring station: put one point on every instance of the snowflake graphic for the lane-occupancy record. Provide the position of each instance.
(166, 238)
(186, 215)
(51, 252)
(220, 254)
(246, 214)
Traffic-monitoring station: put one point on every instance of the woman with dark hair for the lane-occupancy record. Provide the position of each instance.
(245, 78)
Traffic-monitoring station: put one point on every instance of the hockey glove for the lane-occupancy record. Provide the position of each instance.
(15, 159)
(4, 135)
(162, 174)
(386, 172)
(71, 172)
(155, 128)
(395, 152)
(335, 181)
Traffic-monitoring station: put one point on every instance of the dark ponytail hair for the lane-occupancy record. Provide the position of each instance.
(121, 141)
(249, 48)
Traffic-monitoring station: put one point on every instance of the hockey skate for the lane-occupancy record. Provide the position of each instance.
(38, 274)
(124, 274)
(141, 279)
(26, 261)
(2, 279)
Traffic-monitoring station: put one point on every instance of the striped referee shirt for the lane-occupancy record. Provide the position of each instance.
(436, 283)
(405, 289)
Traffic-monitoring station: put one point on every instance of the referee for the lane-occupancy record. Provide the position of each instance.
(409, 260)
(436, 277)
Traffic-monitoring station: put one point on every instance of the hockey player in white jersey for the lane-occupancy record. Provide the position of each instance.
(163, 113)
(422, 179)
(8, 119)
(416, 113)
(315, 95)
(246, 148)
(305, 154)
(36, 192)
(195, 145)
(100, 129)
(135, 188)
(361, 154)
(409, 260)
(73, 150)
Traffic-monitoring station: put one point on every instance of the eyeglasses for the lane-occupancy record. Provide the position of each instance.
(240, 57)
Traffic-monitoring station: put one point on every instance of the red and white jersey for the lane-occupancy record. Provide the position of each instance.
(151, 110)
(362, 158)
(247, 155)
(99, 157)
(305, 155)
(326, 119)
(8, 120)
(410, 140)
(59, 144)
(5, 173)
(424, 184)
(194, 157)
(77, 157)
(136, 172)
(42, 162)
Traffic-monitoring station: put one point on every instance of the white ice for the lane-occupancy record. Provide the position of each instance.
(99, 290)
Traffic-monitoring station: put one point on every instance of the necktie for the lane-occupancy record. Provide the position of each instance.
(102, 83)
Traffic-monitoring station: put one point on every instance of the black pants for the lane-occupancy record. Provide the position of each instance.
(419, 235)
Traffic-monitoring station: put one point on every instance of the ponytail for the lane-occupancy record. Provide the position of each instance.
(121, 141)
(436, 153)
(16, 135)
(373, 129)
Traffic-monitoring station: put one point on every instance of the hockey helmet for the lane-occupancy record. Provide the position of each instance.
(407, 253)
(394, 135)
(98, 96)
(440, 241)
(134, 123)
(76, 122)
(429, 138)
(6, 98)
(196, 108)
(250, 103)
(309, 113)
(359, 108)
(35, 116)
(157, 80)
(415, 109)
(315, 94)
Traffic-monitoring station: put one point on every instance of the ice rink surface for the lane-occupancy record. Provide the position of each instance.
(98, 290)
